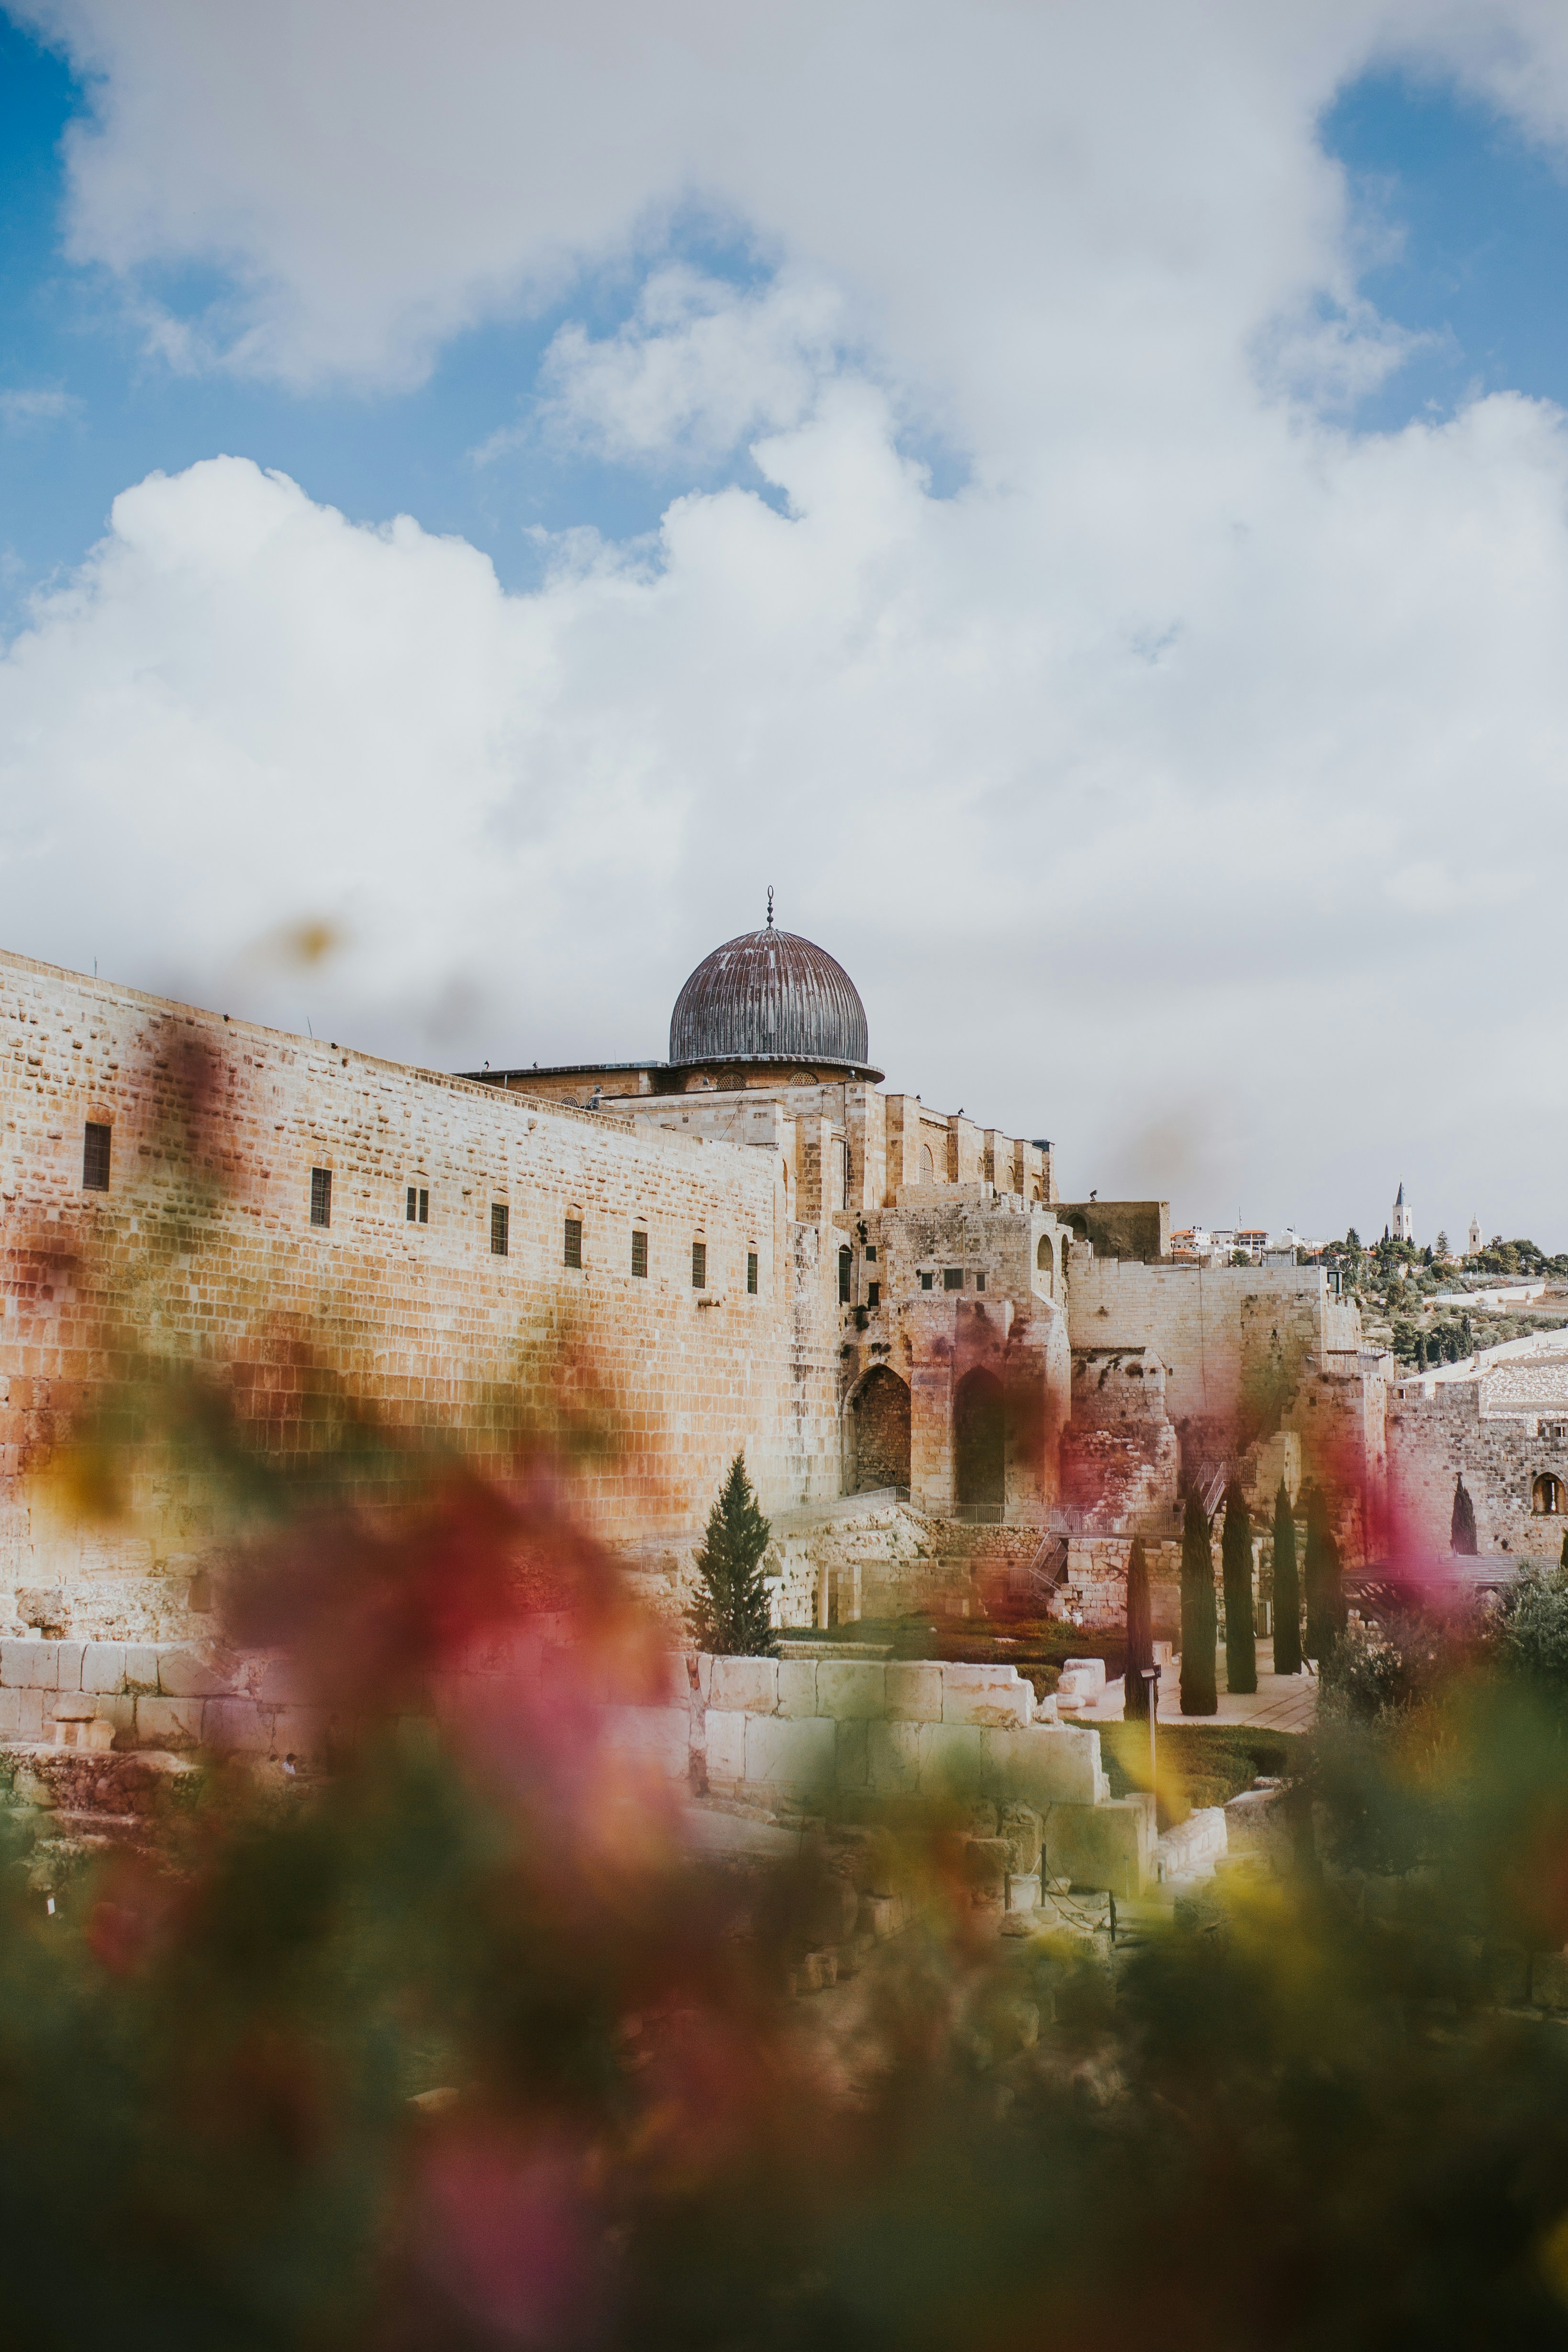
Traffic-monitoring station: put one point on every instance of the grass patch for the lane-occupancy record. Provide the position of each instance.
(1199, 1763)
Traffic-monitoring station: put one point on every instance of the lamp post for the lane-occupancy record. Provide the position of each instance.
(1152, 1676)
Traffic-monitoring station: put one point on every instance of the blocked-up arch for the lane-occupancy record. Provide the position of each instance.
(978, 1439)
(878, 1431)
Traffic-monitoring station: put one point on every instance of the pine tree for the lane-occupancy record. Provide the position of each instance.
(1325, 1596)
(1236, 1564)
(1140, 1638)
(1462, 1524)
(1199, 1695)
(1286, 1588)
(730, 1615)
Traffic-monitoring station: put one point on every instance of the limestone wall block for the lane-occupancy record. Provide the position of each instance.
(28, 1665)
(656, 1738)
(799, 1756)
(104, 1666)
(21, 1714)
(953, 1760)
(167, 1722)
(851, 1688)
(236, 1725)
(997, 1706)
(914, 1691)
(141, 1667)
(68, 1665)
(852, 1766)
(893, 1758)
(275, 1683)
(749, 1682)
(726, 1742)
(1109, 1844)
(1048, 1764)
(185, 1673)
(797, 1687)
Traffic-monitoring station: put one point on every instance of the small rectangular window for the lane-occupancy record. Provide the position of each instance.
(639, 1253)
(418, 1211)
(699, 1265)
(95, 1157)
(873, 1294)
(928, 1281)
(953, 1277)
(980, 1282)
(752, 1272)
(501, 1219)
(845, 1291)
(320, 1196)
(870, 1252)
(573, 1241)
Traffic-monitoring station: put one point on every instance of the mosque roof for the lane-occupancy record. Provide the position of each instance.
(769, 995)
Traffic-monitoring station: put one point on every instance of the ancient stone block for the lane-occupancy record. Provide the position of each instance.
(1020, 1828)
(852, 1768)
(103, 1666)
(951, 1757)
(185, 1673)
(1023, 1890)
(914, 1691)
(68, 1665)
(236, 1725)
(797, 1687)
(658, 1739)
(851, 1687)
(21, 1714)
(752, 1684)
(1105, 1845)
(168, 1722)
(277, 1683)
(28, 1665)
(141, 1666)
(984, 1865)
(999, 1703)
(726, 1741)
(1049, 1764)
(303, 1732)
(893, 1758)
(798, 1756)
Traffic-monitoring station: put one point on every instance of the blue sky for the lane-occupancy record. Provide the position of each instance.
(920, 476)
(1479, 216)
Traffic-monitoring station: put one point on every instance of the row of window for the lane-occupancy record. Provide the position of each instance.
(95, 1160)
(952, 1279)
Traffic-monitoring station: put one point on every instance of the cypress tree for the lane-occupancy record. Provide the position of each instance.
(1286, 1588)
(730, 1615)
(1325, 1596)
(1199, 1695)
(1135, 1691)
(1462, 1524)
(1236, 1564)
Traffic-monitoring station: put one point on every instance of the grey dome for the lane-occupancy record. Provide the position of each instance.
(768, 996)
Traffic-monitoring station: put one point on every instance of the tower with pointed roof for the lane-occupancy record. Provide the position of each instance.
(1403, 1226)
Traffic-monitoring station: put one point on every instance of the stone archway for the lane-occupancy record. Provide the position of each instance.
(1547, 1497)
(880, 1432)
(979, 1441)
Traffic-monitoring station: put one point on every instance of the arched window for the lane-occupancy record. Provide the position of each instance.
(843, 1276)
(928, 1165)
(1043, 1255)
(1548, 1496)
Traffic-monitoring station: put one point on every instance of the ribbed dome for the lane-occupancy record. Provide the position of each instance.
(768, 996)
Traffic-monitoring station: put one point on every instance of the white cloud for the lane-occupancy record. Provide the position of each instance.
(1130, 782)
(22, 409)
(700, 367)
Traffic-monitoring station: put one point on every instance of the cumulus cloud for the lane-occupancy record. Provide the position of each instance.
(1137, 782)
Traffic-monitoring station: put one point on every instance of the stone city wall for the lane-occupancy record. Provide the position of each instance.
(1431, 1439)
(203, 1249)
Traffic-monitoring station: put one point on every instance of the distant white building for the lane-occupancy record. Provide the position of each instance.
(1403, 1226)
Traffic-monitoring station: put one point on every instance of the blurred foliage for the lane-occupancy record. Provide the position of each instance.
(1198, 1763)
(465, 2043)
